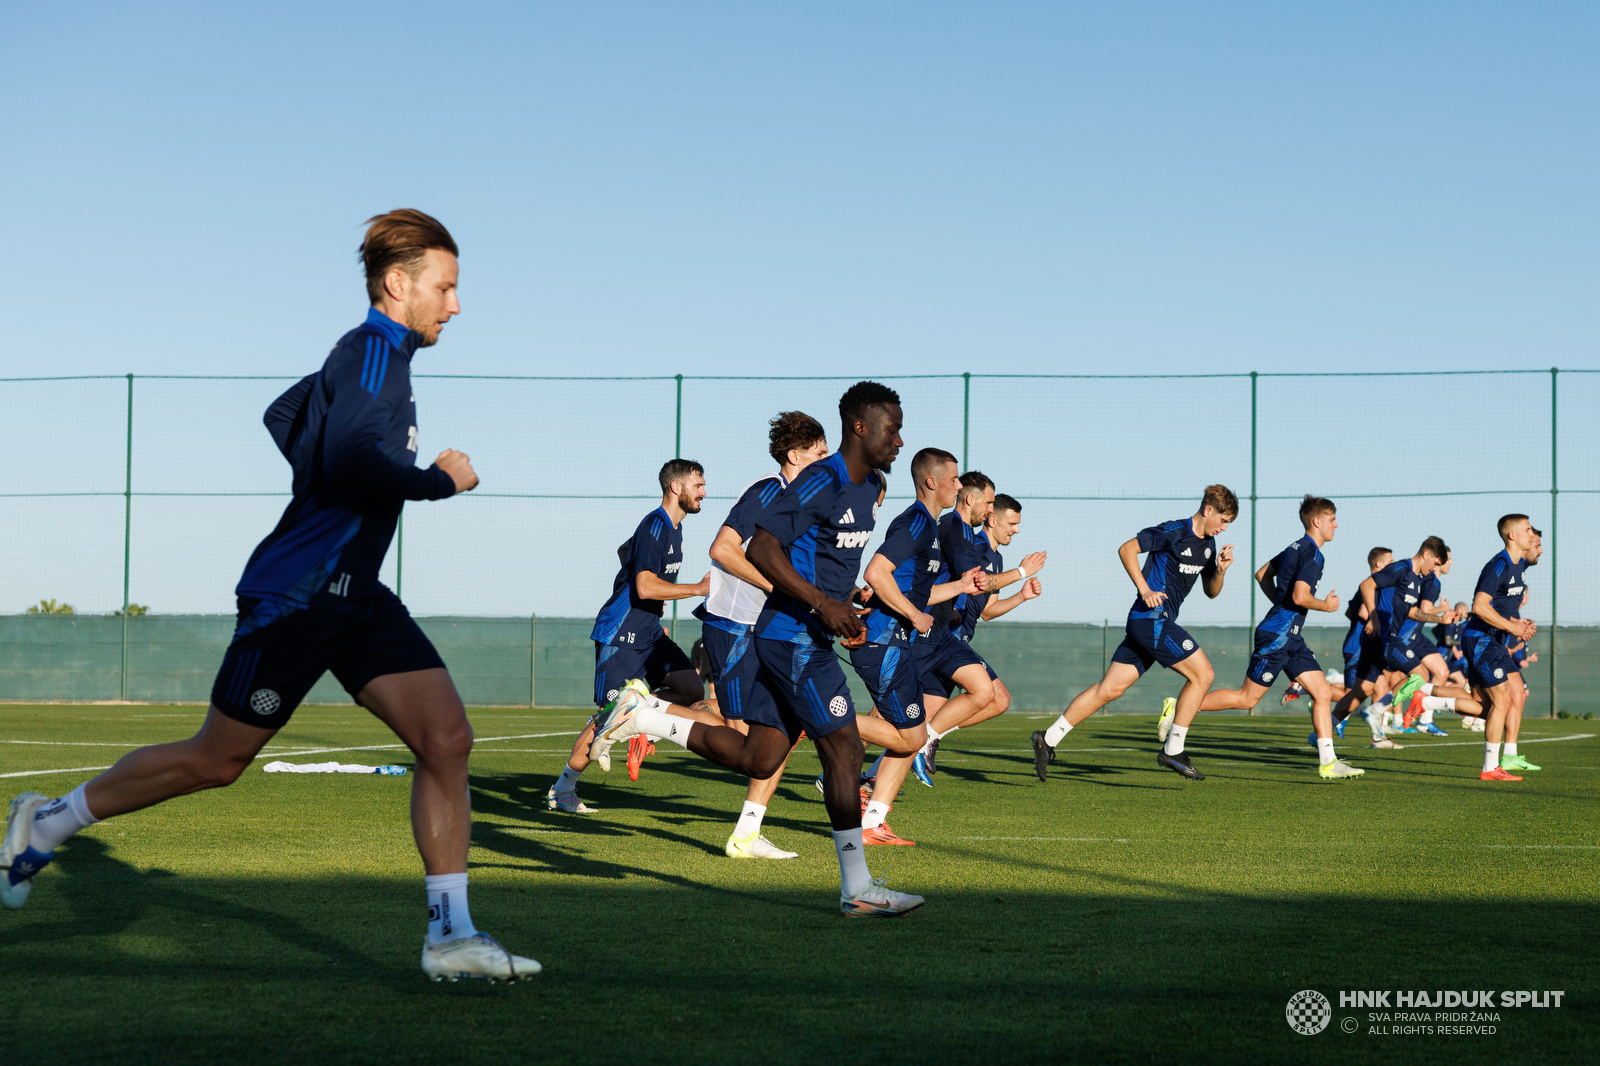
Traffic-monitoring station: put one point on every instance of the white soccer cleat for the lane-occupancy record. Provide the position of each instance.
(879, 901)
(1338, 770)
(1169, 711)
(1473, 725)
(566, 801)
(617, 724)
(478, 957)
(1385, 742)
(756, 846)
(18, 861)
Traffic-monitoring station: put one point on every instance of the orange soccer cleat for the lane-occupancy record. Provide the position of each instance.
(884, 835)
(1497, 774)
(638, 748)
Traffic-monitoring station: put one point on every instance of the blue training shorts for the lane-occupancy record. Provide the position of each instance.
(890, 673)
(800, 686)
(733, 666)
(651, 659)
(1280, 654)
(939, 656)
(1154, 640)
(277, 654)
(1488, 662)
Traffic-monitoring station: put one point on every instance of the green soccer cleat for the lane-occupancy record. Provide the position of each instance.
(1169, 711)
(1408, 700)
(1338, 770)
(1516, 762)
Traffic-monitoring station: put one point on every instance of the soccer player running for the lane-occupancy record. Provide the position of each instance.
(1289, 580)
(902, 576)
(1176, 553)
(629, 641)
(968, 544)
(1397, 620)
(728, 617)
(310, 601)
(808, 544)
(1490, 668)
(1363, 658)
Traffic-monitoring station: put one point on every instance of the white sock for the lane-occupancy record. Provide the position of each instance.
(877, 814)
(854, 878)
(1511, 749)
(1386, 702)
(58, 820)
(1325, 750)
(1437, 703)
(1175, 740)
(1427, 712)
(568, 781)
(749, 820)
(1058, 729)
(934, 738)
(448, 917)
(1491, 757)
(876, 764)
(657, 722)
(1427, 688)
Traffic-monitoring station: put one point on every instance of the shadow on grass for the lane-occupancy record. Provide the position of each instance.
(123, 965)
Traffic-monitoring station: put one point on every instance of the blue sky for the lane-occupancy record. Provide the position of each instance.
(835, 188)
(854, 189)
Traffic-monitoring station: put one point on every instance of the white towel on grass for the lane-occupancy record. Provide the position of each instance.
(329, 768)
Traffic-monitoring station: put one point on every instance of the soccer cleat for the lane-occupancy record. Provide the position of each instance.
(929, 750)
(879, 901)
(882, 834)
(1180, 764)
(617, 724)
(1042, 753)
(1338, 727)
(919, 766)
(1408, 700)
(638, 748)
(755, 846)
(1385, 742)
(477, 957)
(1431, 730)
(1497, 774)
(1516, 762)
(820, 790)
(18, 859)
(566, 801)
(1293, 692)
(1338, 770)
(1311, 738)
(1169, 711)
(1474, 724)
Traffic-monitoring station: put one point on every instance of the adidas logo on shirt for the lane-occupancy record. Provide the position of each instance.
(1187, 552)
(849, 517)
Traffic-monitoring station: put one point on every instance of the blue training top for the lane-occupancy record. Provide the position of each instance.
(823, 520)
(655, 547)
(1175, 558)
(349, 432)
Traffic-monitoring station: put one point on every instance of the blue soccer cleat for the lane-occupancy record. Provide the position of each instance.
(1311, 738)
(919, 766)
(1338, 727)
(1431, 730)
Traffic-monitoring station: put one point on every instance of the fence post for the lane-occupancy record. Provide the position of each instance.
(1250, 580)
(1555, 557)
(1105, 662)
(127, 535)
(677, 453)
(533, 659)
(966, 419)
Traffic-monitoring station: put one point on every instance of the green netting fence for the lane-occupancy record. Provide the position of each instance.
(150, 492)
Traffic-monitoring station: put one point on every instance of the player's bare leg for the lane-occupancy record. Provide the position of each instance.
(1243, 698)
(212, 758)
(1198, 676)
(899, 748)
(1321, 692)
(425, 712)
(1119, 677)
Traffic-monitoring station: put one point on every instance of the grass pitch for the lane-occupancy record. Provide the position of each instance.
(1115, 914)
